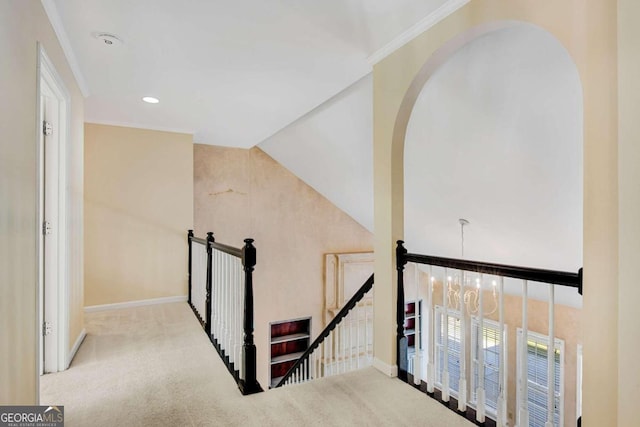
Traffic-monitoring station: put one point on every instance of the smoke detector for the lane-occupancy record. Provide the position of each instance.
(108, 39)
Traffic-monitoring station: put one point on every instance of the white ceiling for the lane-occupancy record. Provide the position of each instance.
(495, 137)
(232, 73)
(331, 150)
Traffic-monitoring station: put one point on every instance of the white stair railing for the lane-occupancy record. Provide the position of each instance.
(221, 296)
(346, 344)
(198, 269)
(463, 334)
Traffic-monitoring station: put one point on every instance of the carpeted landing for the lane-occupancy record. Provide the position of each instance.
(153, 366)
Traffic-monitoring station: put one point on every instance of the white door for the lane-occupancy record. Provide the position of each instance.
(52, 335)
(50, 229)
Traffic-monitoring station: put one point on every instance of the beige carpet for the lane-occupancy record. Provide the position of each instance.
(153, 366)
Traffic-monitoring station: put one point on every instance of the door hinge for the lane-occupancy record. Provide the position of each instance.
(47, 129)
(46, 228)
(47, 328)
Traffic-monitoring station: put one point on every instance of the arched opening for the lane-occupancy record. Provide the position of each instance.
(491, 131)
(495, 136)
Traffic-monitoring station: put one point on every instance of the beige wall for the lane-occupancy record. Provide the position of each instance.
(629, 181)
(588, 31)
(245, 193)
(138, 208)
(22, 25)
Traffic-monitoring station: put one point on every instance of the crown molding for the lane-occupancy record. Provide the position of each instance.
(133, 304)
(56, 22)
(420, 27)
(141, 126)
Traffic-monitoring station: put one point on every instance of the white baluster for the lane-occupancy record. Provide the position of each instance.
(524, 375)
(351, 316)
(233, 289)
(220, 272)
(480, 392)
(338, 349)
(431, 333)
(342, 348)
(240, 270)
(445, 340)
(358, 352)
(234, 305)
(214, 311)
(366, 333)
(216, 285)
(234, 310)
(331, 349)
(462, 384)
(551, 383)
(195, 290)
(195, 271)
(227, 302)
(239, 309)
(323, 370)
(232, 302)
(417, 372)
(223, 296)
(502, 373)
(312, 358)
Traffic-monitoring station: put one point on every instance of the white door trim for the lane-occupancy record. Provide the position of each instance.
(48, 75)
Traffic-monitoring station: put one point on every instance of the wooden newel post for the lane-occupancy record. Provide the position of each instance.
(401, 349)
(580, 277)
(207, 320)
(249, 384)
(189, 237)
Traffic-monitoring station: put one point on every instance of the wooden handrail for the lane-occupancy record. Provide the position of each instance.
(555, 277)
(355, 299)
(249, 384)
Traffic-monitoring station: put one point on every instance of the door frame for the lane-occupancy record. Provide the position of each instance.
(47, 74)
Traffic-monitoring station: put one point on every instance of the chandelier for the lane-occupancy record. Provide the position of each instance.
(462, 286)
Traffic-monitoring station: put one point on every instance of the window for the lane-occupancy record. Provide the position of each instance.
(453, 350)
(490, 345)
(537, 378)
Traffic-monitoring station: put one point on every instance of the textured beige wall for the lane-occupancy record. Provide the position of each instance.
(138, 208)
(22, 25)
(245, 193)
(588, 32)
(629, 181)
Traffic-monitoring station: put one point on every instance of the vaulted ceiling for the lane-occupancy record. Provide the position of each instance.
(232, 73)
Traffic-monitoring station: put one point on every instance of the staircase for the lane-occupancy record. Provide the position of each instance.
(345, 344)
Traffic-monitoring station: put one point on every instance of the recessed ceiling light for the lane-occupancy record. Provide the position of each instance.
(150, 99)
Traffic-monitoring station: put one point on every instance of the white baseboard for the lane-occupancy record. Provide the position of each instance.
(76, 346)
(131, 304)
(389, 370)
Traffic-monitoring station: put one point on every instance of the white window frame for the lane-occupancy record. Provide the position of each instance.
(439, 315)
(559, 346)
(492, 324)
